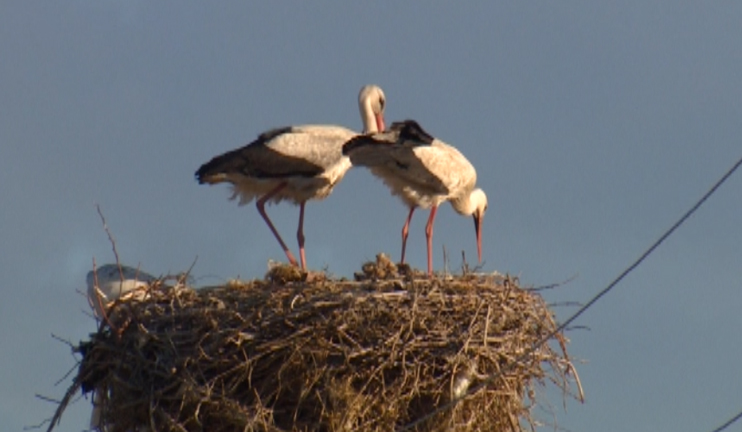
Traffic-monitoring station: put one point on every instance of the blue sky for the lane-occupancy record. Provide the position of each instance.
(593, 126)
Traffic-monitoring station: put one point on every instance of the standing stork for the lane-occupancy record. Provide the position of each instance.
(424, 172)
(295, 163)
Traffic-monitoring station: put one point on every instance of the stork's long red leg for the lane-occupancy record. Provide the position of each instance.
(260, 204)
(300, 236)
(405, 231)
(429, 236)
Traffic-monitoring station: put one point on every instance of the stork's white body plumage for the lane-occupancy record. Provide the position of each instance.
(427, 176)
(110, 282)
(295, 163)
(307, 158)
(423, 171)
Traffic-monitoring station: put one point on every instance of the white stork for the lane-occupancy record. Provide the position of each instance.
(424, 172)
(112, 284)
(295, 163)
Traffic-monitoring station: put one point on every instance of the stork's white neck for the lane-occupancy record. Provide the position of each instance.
(464, 205)
(469, 202)
(367, 115)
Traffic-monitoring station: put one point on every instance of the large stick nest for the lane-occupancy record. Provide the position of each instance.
(287, 354)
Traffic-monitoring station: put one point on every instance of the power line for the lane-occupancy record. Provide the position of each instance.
(729, 422)
(587, 305)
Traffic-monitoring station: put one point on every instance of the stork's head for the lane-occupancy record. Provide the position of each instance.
(478, 201)
(371, 102)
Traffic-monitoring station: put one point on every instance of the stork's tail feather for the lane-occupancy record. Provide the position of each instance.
(410, 130)
(208, 172)
(215, 170)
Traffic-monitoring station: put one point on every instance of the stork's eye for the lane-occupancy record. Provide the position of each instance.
(381, 103)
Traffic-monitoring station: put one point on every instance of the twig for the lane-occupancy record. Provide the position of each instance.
(47, 399)
(188, 272)
(37, 426)
(111, 239)
(554, 285)
(445, 261)
(69, 372)
(64, 341)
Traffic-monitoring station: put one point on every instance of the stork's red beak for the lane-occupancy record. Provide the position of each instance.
(380, 122)
(478, 230)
